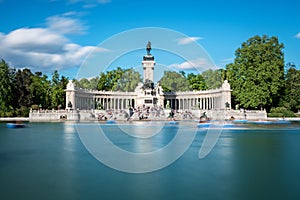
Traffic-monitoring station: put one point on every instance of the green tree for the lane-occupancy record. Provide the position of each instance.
(128, 81)
(58, 86)
(292, 88)
(103, 84)
(256, 76)
(108, 80)
(173, 82)
(213, 78)
(119, 80)
(280, 112)
(40, 90)
(196, 82)
(55, 78)
(93, 83)
(23, 80)
(83, 83)
(62, 86)
(6, 88)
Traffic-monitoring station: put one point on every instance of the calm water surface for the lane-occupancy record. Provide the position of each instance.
(49, 161)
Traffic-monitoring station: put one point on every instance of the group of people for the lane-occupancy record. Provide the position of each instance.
(144, 113)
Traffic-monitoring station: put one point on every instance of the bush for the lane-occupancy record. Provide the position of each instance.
(7, 113)
(281, 112)
(10, 114)
(22, 112)
(35, 107)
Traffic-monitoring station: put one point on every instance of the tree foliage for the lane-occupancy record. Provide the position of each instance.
(256, 76)
(196, 82)
(58, 86)
(119, 80)
(6, 89)
(85, 83)
(22, 82)
(21, 89)
(180, 81)
(40, 90)
(291, 98)
(212, 78)
(281, 112)
(173, 82)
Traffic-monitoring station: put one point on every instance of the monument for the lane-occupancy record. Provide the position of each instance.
(149, 97)
(148, 94)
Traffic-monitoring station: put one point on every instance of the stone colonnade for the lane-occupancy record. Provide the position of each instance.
(90, 99)
(189, 103)
(114, 102)
(204, 100)
(81, 99)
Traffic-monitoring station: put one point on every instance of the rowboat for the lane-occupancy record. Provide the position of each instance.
(15, 125)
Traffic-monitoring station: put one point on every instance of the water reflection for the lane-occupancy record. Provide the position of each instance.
(68, 135)
(248, 163)
(142, 129)
(139, 138)
(162, 137)
(69, 158)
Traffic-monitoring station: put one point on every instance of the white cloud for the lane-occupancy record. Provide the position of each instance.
(65, 24)
(192, 64)
(72, 14)
(187, 40)
(298, 35)
(41, 49)
(34, 39)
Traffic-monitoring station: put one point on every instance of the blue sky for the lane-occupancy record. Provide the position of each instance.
(45, 35)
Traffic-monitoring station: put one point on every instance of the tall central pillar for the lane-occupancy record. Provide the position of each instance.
(148, 65)
(147, 97)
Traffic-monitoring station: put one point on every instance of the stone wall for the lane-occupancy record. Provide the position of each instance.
(248, 114)
(92, 115)
(236, 114)
(61, 115)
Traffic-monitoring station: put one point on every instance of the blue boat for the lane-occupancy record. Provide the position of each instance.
(15, 125)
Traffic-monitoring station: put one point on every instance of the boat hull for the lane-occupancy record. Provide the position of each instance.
(13, 125)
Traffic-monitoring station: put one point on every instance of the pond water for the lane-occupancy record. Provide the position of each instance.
(51, 161)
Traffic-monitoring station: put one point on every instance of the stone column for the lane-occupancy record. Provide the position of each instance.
(148, 66)
(226, 94)
(71, 95)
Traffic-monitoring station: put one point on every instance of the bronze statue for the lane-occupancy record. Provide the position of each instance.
(148, 47)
